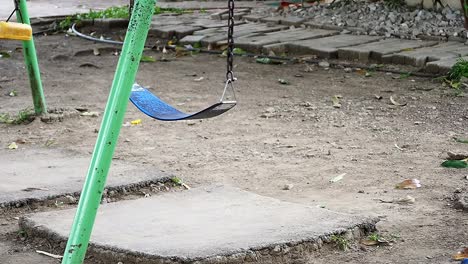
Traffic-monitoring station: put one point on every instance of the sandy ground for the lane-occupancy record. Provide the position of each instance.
(277, 135)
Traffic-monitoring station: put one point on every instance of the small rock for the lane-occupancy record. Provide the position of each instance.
(324, 64)
(288, 187)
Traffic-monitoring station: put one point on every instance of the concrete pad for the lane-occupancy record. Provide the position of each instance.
(256, 42)
(376, 50)
(215, 224)
(419, 57)
(29, 175)
(327, 48)
(442, 66)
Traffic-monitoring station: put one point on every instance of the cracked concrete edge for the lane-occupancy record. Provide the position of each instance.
(119, 189)
(275, 253)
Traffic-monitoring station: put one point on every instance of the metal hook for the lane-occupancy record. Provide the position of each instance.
(229, 83)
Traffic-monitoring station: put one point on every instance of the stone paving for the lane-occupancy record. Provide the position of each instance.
(275, 34)
(291, 36)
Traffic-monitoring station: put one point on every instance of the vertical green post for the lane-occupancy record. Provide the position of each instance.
(30, 59)
(114, 113)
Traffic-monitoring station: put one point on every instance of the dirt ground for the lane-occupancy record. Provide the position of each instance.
(277, 135)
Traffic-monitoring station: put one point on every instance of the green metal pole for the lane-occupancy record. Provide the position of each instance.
(114, 113)
(30, 59)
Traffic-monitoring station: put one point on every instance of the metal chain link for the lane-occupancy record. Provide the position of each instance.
(230, 49)
(16, 9)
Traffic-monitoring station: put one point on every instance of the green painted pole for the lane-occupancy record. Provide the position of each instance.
(30, 59)
(114, 113)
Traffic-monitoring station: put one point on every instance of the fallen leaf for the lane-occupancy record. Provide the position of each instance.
(337, 178)
(199, 79)
(91, 114)
(90, 65)
(13, 145)
(147, 59)
(361, 72)
(457, 164)
(395, 102)
(461, 140)
(409, 184)
(407, 49)
(135, 122)
(369, 242)
(406, 200)
(374, 242)
(4, 55)
(48, 254)
(461, 254)
(268, 61)
(283, 81)
(30, 189)
(239, 51)
(378, 97)
(178, 181)
(336, 101)
(13, 93)
(96, 52)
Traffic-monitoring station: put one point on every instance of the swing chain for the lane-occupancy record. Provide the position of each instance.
(230, 49)
(16, 9)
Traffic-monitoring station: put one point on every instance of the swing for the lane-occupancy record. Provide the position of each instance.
(15, 31)
(156, 108)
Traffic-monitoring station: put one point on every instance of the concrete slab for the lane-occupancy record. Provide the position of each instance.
(292, 21)
(376, 50)
(241, 30)
(253, 17)
(327, 47)
(170, 31)
(191, 39)
(29, 175)
(256, 42)
(215, 224)
(442, 66)
(419, 57)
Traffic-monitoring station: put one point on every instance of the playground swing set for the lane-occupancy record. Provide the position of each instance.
(123, 89)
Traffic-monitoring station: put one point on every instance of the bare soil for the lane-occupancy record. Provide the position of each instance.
(278, 135)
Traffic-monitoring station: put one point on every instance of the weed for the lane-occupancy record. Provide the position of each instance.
(374, 237)
(111, 12)
(159, 10)
(458, 71)
(341, 242)
(405, 75)
(25, 115)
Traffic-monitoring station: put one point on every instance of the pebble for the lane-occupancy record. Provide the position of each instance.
(379, 19)
(288, 187)
(324, 64)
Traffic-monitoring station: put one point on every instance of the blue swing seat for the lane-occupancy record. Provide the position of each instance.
(156, 108)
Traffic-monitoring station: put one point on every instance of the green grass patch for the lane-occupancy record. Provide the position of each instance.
(111, 12)
(458, 71)
(341, 242)
(24, 116)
